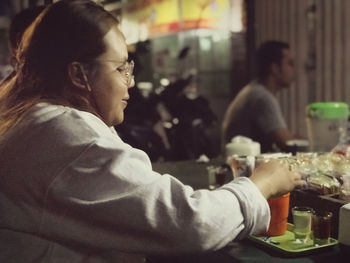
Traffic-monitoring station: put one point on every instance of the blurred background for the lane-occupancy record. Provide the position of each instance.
(213, 42)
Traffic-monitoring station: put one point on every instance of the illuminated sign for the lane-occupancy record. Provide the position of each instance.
(142, 19)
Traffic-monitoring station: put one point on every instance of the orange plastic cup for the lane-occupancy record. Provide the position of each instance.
(279, 208)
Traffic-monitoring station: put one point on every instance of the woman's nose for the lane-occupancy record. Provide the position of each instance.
(132, 82)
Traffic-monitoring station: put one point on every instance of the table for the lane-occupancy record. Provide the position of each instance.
(192, 173)
(245, 251)
(195, 175)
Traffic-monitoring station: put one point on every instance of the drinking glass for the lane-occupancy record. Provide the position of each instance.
(302, 218)
(321, 226)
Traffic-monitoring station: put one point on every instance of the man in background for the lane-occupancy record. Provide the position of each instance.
(255, 112)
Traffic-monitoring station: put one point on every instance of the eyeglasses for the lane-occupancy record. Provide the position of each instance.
(128, 71)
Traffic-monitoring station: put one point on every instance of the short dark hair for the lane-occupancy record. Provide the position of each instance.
(20, 22)
(269, 52)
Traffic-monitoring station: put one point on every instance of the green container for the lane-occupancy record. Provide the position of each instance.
(327, 110)
(326, 124)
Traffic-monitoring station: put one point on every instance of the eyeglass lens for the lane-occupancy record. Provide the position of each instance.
(129, 70)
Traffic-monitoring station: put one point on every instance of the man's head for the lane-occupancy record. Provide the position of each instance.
(275, 59)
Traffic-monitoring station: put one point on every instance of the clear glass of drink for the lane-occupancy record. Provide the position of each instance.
(302, 219)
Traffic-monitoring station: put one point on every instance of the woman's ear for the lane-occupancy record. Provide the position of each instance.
(78, 76)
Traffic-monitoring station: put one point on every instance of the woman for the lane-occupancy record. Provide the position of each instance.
(71, 190)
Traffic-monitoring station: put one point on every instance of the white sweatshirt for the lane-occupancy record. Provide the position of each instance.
(72, 191)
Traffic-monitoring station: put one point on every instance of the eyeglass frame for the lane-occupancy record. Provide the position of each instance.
(127, 72)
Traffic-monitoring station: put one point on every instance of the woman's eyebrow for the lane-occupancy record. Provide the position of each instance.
(119, 61)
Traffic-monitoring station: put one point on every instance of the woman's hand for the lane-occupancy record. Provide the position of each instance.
(273, 178)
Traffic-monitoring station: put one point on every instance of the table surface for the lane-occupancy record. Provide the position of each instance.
(195, 174)
(245, 251)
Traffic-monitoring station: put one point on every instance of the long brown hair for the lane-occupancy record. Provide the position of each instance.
(66, 31)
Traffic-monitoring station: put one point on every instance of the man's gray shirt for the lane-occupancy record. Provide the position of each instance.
(254, 113)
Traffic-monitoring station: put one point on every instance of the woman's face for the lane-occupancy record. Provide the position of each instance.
(109, 83)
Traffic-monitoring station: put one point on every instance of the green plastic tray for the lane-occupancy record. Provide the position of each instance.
(287, 245)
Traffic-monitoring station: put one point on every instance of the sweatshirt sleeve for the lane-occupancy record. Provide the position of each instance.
(110, 198)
